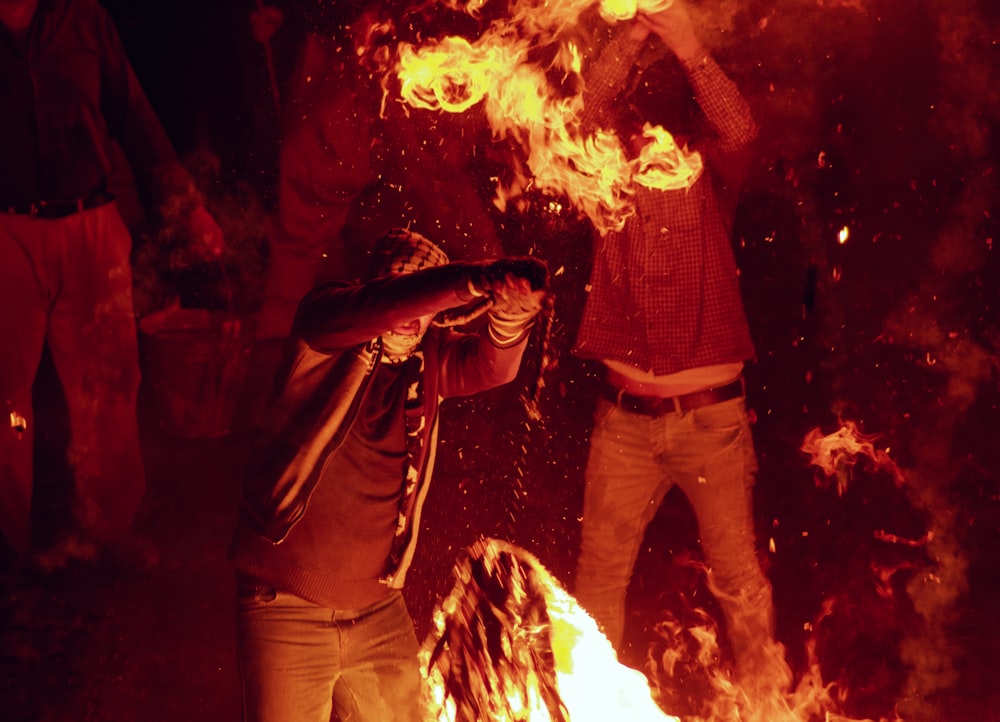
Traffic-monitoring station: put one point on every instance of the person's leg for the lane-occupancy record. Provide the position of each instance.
(713, 455)
(23, 319)
(380, 679)
(289, 655)
(92, 336)
(624, 487)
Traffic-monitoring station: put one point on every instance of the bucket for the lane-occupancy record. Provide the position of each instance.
(196, 363)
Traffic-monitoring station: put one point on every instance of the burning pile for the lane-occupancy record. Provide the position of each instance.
(510, 644)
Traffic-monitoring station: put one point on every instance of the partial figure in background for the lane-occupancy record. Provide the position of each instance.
(68, 94)
(349, 167)
(666, 319)
(333, 495)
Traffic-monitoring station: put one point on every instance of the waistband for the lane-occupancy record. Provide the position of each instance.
(660, 405)
(53, 210)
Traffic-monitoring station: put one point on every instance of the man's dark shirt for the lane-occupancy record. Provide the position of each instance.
(67, 90)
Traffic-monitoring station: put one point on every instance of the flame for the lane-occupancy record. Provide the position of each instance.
(18, 423)
(509, 643)
(837, 452)
(519, 101)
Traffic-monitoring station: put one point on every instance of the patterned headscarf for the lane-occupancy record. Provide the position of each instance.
(403, 251)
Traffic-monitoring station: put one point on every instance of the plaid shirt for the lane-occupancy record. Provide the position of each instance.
(664, 292)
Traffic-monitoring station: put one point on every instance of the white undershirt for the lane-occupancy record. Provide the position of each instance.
(645, 383)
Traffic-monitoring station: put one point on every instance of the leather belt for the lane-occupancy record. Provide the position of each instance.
(53, 210)
(660, 405)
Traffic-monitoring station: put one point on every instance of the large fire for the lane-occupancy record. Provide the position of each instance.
(526, 71)
(509, 644)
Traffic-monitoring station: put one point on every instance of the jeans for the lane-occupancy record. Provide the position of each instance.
(634, 461)
(68, 283)
(299, 660)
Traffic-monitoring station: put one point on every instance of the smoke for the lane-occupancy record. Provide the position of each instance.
(943, 329)
(878, 117)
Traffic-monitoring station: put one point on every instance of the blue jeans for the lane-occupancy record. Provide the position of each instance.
(299, 660)
(634, 461)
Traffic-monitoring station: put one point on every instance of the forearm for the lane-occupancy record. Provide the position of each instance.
(472, 362)
(606, 78)
(720, 100)
(333, 316)
(132, 121)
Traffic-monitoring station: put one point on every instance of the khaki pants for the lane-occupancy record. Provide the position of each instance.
(68, 282)
(298, 661)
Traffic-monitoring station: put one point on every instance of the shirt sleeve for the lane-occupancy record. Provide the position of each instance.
(334, 315)
(133, 123)
(720, 100)
(605, 79)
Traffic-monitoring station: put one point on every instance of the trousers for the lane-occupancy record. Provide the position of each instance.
(298, 660)
(634, 460)
(68, 283)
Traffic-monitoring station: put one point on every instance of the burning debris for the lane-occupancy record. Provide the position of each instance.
(18, 423)
(836, 453)
(525, 71)
(509, 643)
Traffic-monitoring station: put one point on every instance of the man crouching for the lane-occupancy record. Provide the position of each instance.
(328, 526)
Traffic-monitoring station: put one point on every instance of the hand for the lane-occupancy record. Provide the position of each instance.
(638, 30)
(674, 27)
(525, 267)
(517, 286)
(265, 21)
(207, 240)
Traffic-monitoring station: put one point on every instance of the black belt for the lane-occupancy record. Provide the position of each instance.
(51, 210)
(660, 405)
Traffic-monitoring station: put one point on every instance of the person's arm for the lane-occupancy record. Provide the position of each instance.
(161, 179)
(720, 100)
(334, 316)
(606, 75)
(517, 289)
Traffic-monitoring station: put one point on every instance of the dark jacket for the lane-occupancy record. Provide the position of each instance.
(63, 99)
(334, 347)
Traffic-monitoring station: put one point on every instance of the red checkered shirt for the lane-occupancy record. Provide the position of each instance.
(664, 293)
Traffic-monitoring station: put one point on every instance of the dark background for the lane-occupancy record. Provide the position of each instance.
(875, 116)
